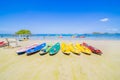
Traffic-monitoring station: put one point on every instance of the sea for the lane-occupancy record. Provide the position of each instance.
(115, 36)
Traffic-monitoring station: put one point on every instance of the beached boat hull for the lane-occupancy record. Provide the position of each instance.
(46, 49)
(54, 49)
(83, 49)
(23, 50)
(65, 48)
(94, 50)
(35, 49)
(74, 49)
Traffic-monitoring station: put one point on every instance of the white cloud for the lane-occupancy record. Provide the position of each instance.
(104, 20)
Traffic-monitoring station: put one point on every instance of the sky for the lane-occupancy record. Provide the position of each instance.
(60, 16)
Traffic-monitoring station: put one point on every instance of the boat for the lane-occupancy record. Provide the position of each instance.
(35, 49)
(2, 43)
(93, 49)
(23, 50)
(65, 48)
(83, 49)
(82, 36)
(74, 49)
(45, 49)
(54, 49)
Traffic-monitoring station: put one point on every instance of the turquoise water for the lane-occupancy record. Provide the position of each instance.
(67, 36)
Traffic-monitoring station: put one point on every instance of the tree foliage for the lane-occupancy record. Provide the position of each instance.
(97, 33)
(23, 32)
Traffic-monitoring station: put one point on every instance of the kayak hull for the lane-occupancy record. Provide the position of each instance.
(23, 50)
(83, 49)
(74, 49)
(35, 49)
(94, 50)
(65, 48)
(54, 49)
(46, 49)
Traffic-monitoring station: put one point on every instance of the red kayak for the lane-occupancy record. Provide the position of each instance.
(2, 43)
(94, 50)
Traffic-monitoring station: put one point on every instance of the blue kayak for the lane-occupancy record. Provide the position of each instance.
(35, 49)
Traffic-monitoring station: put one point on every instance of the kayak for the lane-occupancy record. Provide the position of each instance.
(93, 49)
(35, 49)
(65, 48)
(23, 50)
(74, 49)
(45, 49)
(54, 49)
(83, 49)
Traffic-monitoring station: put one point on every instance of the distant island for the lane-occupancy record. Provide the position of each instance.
(104, 33)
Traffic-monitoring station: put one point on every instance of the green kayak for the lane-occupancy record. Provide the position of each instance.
(46, 49)
(54, 49)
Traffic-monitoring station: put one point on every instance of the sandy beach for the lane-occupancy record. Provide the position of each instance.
(61, 66)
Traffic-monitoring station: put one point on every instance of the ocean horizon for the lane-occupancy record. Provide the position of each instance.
(108, 36)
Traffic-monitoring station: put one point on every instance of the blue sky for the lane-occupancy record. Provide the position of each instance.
(60, 16)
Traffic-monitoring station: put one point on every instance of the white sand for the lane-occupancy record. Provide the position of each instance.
(61, 66)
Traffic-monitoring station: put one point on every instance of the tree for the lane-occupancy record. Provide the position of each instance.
(97, 33)
(23, 33)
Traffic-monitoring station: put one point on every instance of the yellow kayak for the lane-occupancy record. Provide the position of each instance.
(83, 48)
(65, 48)
(74, 49)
